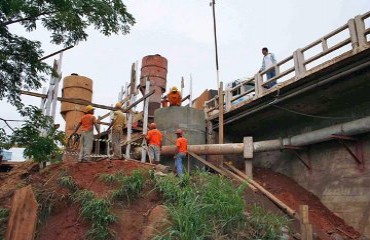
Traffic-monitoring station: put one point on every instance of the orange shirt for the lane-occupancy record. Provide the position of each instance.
(87, 122)
(154, 137)
(182, 144)
(174, 98)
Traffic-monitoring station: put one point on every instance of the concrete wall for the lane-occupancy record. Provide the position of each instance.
(335, 178)
(190, 120)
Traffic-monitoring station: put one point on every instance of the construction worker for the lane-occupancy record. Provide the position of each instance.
(118, 124)
(174, 97)
(181, 151)
(87, 133)
(154, 138)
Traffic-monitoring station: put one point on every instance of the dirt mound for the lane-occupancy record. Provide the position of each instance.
(63, 219)
(293, 195)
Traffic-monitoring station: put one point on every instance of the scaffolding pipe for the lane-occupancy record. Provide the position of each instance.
(355, 127)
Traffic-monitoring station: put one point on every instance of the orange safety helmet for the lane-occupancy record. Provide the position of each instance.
(180, 132)
(153, 126)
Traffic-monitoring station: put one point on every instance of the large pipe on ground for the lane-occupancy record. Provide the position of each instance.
(325, 134)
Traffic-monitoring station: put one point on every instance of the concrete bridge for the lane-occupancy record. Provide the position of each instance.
(321, 89)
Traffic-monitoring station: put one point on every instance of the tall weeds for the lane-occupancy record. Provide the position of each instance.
(207, 206)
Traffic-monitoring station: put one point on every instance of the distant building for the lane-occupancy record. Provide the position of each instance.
(7, 156)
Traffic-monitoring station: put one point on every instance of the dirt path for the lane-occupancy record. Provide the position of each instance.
(292, 194)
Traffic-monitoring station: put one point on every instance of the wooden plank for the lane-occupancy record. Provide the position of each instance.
(274, 199)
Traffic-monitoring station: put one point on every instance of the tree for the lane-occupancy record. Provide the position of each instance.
(67, 22)
(37, 135)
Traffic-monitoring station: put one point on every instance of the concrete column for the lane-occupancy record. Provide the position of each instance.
(258, 84)
(360, 32)
(353, 35)
(248, 156)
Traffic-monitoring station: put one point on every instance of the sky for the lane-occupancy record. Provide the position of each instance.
(182, 31)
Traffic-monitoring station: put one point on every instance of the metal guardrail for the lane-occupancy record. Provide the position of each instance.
(300, 64)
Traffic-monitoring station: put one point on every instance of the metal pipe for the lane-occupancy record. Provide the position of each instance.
(208, 149)
(275, 101)
(355, 127)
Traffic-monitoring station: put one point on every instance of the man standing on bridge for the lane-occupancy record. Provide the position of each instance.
(267, 62)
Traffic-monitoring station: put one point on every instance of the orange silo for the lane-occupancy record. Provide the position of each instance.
(155, 68)
(75, 87)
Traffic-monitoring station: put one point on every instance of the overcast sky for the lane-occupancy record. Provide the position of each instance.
(182, 31)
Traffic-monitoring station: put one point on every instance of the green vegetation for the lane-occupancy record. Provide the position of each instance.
(96, 211)
(4, 215)
(66, 21)
(264, 225)
(206, 206)
(129, 187)
(37, 135)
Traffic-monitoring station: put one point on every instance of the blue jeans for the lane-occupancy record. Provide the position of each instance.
(178, 163)
(270, 74)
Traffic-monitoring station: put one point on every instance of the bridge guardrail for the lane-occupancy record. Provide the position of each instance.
(348, 39)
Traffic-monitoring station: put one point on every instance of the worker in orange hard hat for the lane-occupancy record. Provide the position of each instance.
(174, 97)
(87, 123)
(117, 124)
(181, 151)
(154, 138)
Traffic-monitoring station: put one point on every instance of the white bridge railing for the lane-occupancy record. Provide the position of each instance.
(345, 41)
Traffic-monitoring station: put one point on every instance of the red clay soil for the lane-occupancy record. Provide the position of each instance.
(64, 221)
(66, 224)
(293, 195)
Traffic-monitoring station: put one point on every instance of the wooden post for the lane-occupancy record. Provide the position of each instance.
(221, 120)
(248, 156)
(145, 118)
(306, 227)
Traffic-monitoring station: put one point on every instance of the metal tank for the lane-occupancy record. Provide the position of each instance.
(75, 87)
(154, 67)
(190, 120)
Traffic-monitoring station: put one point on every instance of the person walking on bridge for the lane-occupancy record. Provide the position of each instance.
(87, 123)
(174, 97)
(154, 138)
(118, 124)
(181, 151)
(267, 62)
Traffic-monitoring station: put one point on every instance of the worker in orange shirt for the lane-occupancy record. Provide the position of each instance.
(174, 97)
(87, 123)
(181, 151)
(154, 138)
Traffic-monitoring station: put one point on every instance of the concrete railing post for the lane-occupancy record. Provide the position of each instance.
(360, 32)
(228, 97)
(248, 156)
(299, 65)
(353, 35)
(258, 84)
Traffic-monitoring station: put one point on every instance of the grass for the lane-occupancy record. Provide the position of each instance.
(264, 225)
(67, 182)
(129, 187)
(94, 210)
(4, 215)
(207, 206)
(112, 178)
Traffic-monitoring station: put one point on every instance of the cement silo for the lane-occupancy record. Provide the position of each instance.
(154, 67)
(79, 88)
(190, 120)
